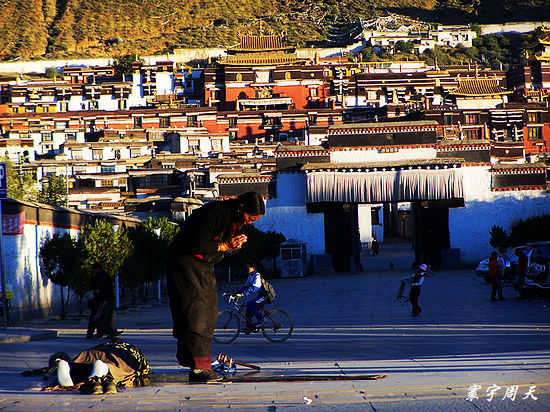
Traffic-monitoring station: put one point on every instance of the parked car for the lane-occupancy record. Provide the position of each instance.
(538, 263)
(511, 261)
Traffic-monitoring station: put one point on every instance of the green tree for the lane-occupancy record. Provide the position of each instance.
(404, 47)
(21, 185)
(54, 191)
(499, 238)
(147, 261)
(123, 64)
(105, 245)
(51, 72)
(532, 229)
(62, 258)
(259, 245)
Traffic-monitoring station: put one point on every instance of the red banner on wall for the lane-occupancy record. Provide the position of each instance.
(13, 224)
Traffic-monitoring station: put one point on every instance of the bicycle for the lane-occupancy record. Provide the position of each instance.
(278, 325)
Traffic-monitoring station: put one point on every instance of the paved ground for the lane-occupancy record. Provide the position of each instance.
(344, 324)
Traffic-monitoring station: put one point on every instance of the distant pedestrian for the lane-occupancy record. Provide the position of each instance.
(495, 276)
(375, 245)
(102, 305)
(417, 279)
(521, 267)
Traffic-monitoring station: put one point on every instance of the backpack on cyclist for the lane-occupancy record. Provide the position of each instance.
(269, 290)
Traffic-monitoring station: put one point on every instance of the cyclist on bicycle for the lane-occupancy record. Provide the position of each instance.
(253, 285)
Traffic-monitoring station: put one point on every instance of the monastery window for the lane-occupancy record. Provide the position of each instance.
(93, 105)
(138, 122)
(97, 154)
(217, 145)
(76, 154)
(122, 104)
(272, 121)
(63, 106)
(313, 92)
(263, 76)
(71, 136)
(79, 169)
(47, 137)
(107, 168)
(534, 117)
(471, 118)
(534, 133)
(448, 119)
(164, 122)
(107, 183)
(233, 135)
(192, 121)
(232, 122)
(471, 133)
(168, 165)
(150, 181)
(312, 118)
(216, 95)
(194, 146)
(60, 125)
(30, 109)
(375, 216)
(48, 171)
(135, 152)
(122, 181)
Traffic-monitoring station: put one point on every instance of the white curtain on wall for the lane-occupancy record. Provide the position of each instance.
(389, 186)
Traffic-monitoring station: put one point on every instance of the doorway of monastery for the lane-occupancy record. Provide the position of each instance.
(406, 232)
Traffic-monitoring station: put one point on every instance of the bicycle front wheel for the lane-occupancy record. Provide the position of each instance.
(228, 327)
(278, 326)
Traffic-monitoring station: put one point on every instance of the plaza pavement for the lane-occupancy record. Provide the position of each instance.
(344, 324)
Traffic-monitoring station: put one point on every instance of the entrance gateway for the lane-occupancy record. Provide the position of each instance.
(431, 185)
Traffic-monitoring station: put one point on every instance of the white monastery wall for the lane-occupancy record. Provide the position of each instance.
(33, 291)
(288, 215)
(469, 226)
(370, 155)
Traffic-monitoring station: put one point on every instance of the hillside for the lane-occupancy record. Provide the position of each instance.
(71, 28)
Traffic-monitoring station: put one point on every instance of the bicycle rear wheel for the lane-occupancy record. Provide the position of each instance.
(228, 327)
(278, 326)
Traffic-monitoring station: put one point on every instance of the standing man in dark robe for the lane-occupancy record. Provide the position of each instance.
(103, 305)
(201, 242)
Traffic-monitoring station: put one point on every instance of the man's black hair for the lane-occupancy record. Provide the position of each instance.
(252, 203)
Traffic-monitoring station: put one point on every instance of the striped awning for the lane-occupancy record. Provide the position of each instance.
(378, 186)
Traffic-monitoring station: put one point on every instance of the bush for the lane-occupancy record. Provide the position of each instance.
(532, 229)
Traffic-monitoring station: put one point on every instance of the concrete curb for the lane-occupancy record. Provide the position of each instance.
(26, 335)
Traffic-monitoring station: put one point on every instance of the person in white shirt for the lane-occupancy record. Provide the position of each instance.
(416, 283)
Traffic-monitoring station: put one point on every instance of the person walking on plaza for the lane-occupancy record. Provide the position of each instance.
(375, 245)
(201, 242)
(102, 305)
(417, 279)
(495, 276)
(521, 268)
